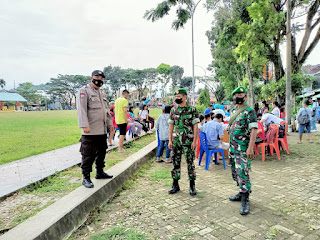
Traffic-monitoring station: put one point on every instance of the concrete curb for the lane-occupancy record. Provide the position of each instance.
(64, 216)
(47, 172)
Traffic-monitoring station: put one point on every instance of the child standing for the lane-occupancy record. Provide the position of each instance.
(162, 125)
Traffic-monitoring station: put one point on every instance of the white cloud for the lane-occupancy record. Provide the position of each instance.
(41, 39)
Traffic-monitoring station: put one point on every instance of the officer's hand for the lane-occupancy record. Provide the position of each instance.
(194, 146)
(170, 145)
(86, 130)
(250, 153)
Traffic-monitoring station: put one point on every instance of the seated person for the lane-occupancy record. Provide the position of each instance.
(268, 119)
(144, 117)
(200, 125)
(150, 118)
(261, 136)
(207, 118)
(214, 132)
(212, 115)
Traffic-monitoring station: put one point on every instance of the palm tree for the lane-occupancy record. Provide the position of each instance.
(2, 83)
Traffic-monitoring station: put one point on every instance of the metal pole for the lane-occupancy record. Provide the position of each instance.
(288, 77)
(193, 9)
(193, 80)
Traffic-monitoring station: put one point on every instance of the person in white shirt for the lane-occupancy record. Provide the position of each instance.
(268, 119)
(275, 109)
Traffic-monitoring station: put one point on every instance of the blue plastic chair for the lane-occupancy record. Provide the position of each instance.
(205, 148)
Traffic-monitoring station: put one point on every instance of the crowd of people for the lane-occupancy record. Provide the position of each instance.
(179, 127)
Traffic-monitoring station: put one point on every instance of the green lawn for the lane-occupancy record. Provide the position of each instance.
(24, 134)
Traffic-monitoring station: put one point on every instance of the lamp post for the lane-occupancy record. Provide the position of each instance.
(288, 76)
(193, 9)
(205, 72)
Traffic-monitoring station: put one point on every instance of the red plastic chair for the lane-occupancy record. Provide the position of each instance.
(274, 145)
(284, 141)
(198, 146)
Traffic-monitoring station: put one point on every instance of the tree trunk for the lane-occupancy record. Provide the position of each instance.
(252, 98)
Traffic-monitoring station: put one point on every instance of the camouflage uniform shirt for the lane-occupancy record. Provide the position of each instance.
(241, 128)
(183, 119)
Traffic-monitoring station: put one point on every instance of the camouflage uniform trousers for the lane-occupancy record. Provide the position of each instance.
(189, 154)
(240, 167)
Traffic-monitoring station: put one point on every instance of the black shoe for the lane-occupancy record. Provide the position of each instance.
(175, 187)
(87, 182)
(135, 135)
(245, 207)
(193, 190)
(235, 198)
(103, 175)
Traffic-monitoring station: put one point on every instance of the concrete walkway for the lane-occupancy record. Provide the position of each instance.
(21, 173)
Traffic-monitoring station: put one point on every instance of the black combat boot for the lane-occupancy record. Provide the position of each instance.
(235, 198)
(87, 181)
(245, 207)
(102, 175)
(193, 190)
(175, 187)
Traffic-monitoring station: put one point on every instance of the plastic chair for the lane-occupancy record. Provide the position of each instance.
(272, 146)
(205, 148)
(284, 141)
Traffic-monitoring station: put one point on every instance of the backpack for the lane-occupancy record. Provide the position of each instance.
(304, 118)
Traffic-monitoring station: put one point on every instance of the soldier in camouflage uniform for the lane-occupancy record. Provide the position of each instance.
(183, 135)
(243, 132)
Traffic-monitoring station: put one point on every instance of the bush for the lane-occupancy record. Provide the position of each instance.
(201, 108)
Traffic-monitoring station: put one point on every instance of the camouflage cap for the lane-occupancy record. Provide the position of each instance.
(181, 90)
(239, 90)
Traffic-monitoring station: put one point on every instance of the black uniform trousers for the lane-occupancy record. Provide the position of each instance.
(93, 149)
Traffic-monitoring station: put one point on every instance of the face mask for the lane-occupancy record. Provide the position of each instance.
(178, 100)
(238, 100)
(97, 82)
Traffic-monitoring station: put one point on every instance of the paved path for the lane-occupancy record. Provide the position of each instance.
(21, 173)
(284, 202)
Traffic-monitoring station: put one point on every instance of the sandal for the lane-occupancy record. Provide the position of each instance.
(159, 160)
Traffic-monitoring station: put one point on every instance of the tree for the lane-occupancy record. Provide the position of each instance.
(219, 93)
(114, 77)
(176, 76)
(26, 90)
(67, 85)
(186, 82)
(204, 98)
(138, 79)
(2, 83)
(164, 76)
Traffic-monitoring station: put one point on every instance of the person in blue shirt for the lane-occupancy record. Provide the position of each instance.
(144, 101)
(208, 110)
(214, 131)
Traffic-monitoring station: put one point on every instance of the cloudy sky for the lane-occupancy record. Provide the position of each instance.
(40, 39)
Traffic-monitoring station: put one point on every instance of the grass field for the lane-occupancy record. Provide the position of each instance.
(24, 134)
